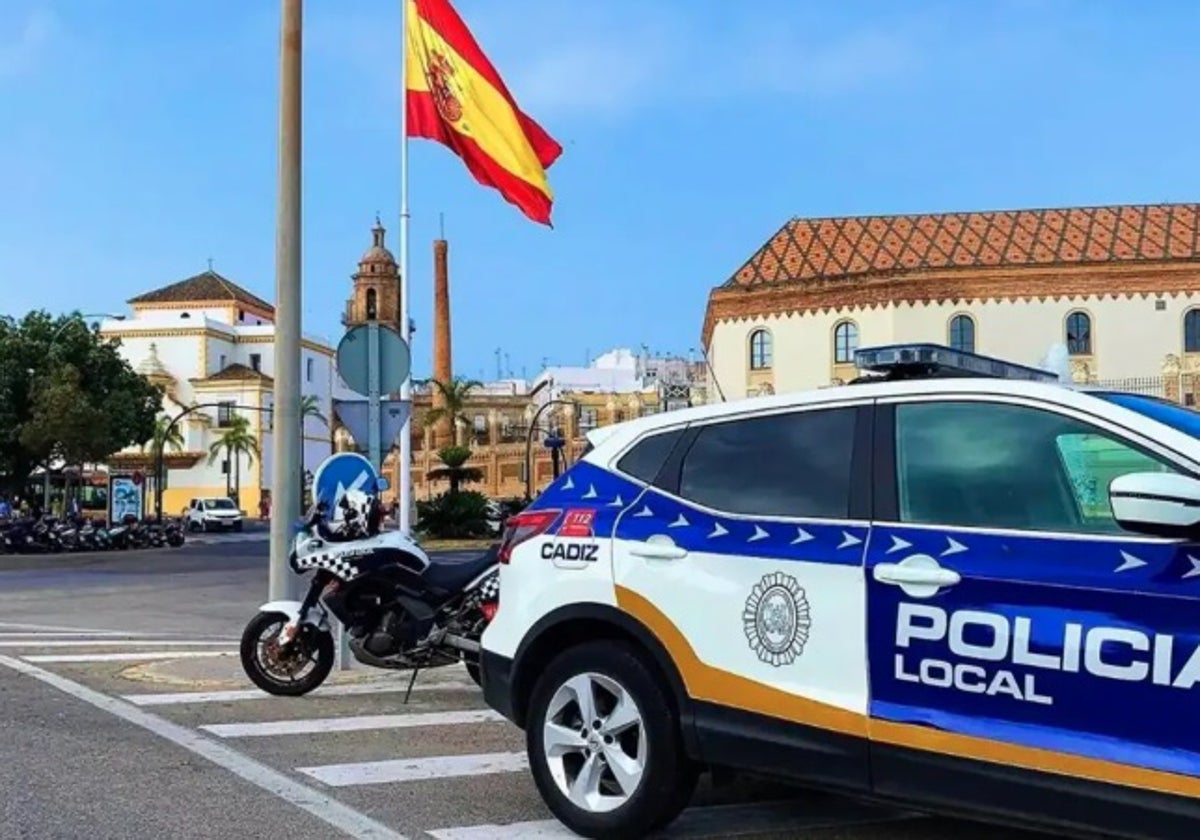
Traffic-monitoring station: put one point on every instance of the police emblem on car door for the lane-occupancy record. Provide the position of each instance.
(776, 619)
(745, 545)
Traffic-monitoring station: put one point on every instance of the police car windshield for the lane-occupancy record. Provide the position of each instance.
(1176, 416)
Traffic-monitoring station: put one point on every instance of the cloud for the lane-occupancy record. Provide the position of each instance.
(614, 60)
(564, 59)
(21, 50)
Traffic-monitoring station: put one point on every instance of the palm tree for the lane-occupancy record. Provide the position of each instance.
(452, 411)
(454, 457)
(309, 407)
(162, 441)
(235, 442)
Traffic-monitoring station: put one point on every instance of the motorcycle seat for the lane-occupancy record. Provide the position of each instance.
(452, 575)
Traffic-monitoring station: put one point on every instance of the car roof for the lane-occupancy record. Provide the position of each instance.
(1061, 393)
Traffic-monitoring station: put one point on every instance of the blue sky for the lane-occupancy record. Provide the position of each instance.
(138, 140)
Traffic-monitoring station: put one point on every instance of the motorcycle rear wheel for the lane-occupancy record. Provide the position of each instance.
(271, 673)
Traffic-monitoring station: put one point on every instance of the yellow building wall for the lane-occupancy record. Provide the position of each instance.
(175, 499)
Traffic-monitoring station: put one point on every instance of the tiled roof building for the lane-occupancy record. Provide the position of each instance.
(965, 260)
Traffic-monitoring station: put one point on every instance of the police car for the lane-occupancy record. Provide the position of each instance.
(956, 584)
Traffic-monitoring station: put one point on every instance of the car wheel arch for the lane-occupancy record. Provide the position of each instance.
(567, 626)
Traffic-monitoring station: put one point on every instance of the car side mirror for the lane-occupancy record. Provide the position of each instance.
(1158, 504)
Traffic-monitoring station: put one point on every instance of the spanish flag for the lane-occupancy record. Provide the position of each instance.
(454, 96)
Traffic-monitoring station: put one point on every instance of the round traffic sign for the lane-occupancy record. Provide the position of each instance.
(340, 472)
(354, 359)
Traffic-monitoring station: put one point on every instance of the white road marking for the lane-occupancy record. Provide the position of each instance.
(130, 656)
(329, 810)
(234, 695)
(17, 625)
(59, 643)
(416, 769)
(357, 723)
(61, 634)
(703, 821)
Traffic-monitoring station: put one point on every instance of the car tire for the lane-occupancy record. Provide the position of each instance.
(657, 780)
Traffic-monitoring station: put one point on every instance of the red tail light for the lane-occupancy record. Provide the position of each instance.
(524, 526)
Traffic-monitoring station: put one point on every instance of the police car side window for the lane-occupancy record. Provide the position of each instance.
(795, 464)
(992, 465)
(648, 455)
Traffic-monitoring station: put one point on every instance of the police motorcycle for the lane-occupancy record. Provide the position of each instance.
(401, 609)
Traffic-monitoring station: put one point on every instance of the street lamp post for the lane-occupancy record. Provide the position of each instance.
(533, 425)
(82, 319)
(287, 437)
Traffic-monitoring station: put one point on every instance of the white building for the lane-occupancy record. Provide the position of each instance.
(210, 344)
(1119, 286)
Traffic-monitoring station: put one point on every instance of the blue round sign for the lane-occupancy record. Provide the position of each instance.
(341, 472)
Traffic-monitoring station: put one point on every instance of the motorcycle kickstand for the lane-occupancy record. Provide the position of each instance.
(412, 680)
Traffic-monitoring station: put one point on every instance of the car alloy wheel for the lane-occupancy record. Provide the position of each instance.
(604, 742)
(594, 741)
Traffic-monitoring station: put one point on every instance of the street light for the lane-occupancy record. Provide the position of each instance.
(162, 445)
(82, 319)
(533, 425)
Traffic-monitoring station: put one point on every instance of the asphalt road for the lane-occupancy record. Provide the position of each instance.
(126, 716)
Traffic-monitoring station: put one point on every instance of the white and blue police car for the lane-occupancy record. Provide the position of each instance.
(957, 584)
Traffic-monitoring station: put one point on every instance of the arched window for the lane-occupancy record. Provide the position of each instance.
(1079, 334)
(1191, 331)
(760, 350)
(845, 342)
(372, 312)
(962, 333)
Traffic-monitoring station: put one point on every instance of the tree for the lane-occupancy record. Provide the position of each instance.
(162, 440)
(236, 441)
(455, 458)
(454, 395)
(66, 393)
(63, 423)
(309, 407)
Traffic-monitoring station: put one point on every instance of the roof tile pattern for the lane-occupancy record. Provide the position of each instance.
(205, 286)
(237, 372)
(841, 248)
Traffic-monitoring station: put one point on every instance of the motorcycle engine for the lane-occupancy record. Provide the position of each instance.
(396, 631)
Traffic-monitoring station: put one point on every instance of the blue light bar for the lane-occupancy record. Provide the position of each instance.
(929, 360)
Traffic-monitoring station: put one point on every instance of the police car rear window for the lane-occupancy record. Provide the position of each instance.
(648, 456)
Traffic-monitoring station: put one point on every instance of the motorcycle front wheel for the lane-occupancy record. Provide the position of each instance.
(285, 672)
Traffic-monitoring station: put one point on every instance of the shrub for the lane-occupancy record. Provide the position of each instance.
(461, 515)
(453, 458)
(510, 507)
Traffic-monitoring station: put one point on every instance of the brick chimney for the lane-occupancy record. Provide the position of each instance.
(442, 365)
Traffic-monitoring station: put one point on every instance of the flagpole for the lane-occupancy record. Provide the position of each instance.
(404, 473)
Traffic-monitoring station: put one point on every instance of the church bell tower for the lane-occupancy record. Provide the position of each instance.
(376, 286)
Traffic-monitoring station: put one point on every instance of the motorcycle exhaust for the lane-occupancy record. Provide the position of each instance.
(462, 643)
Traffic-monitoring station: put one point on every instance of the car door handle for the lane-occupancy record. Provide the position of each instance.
(658, 551)
(918, 576)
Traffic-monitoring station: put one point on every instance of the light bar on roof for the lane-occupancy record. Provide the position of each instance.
(937, 360)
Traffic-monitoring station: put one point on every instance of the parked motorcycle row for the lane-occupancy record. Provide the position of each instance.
(48, 534)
